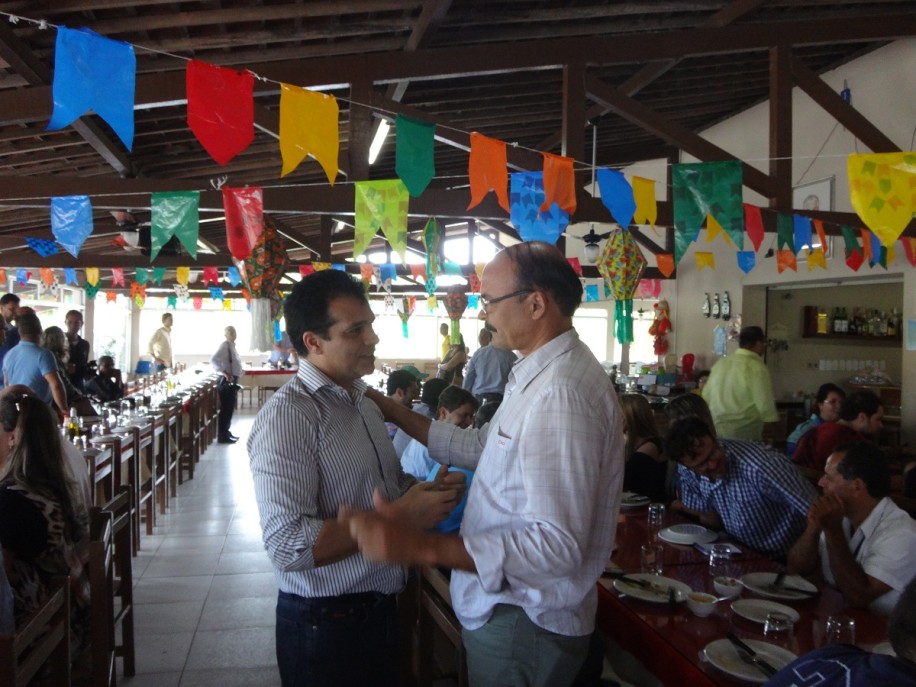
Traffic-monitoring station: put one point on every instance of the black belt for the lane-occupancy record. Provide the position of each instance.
(349, 600)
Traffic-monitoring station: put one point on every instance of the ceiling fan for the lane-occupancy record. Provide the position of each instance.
(135, 235)
(592, 243)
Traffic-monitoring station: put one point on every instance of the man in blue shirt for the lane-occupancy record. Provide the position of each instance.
(743, 487)
(488, 371)
(9, 335)
(33, 366)
(457, 407)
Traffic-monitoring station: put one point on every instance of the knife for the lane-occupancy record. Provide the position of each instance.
(644, 584)
(744, 651)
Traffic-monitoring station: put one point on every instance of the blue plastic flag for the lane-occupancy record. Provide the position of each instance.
(233, 275)
(877, 257)
(22, 276)
(747, 260)
(70, 275)
(339, 266)
(216, 293)
(474, 301)
(387, 272)
(526, 195)
(92, 72)
(44, 247)
(71, 221)
(617, 195)
(591, 293)
(802, 229)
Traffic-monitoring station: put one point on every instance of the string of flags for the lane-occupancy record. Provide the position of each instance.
(93, 72)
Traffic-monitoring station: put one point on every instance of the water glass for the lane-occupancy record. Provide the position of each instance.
(776, 624)
(656, 519)
(840, 629)
(720, 556)
(652, 558)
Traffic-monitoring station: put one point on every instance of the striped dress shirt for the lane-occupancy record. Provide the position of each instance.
(315, 447)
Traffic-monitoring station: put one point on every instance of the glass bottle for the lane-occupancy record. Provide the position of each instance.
(73, 426)
(716, 307)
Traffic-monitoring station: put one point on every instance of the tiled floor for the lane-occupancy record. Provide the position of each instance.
(204, 591)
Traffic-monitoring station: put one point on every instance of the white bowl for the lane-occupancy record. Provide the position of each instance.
(728, 587)
(701, 604)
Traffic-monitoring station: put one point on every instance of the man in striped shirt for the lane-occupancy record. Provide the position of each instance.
(316, 445)
(539, 523)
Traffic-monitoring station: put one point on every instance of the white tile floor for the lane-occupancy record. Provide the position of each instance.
(204, 591)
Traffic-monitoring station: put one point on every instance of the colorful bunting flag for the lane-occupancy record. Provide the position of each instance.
(227, 304)
(92, 275)
(474, 282)
(821, 235)
(171, 302)
(137, 289)
(91, 290)
(388, 272)
(71, 221)
(381, 205)
(646, 205)
(574, 262)
(92, 72)
(244, 209)
(753, 223)
(882, 189)
(854, 260)
(747, 260)
(714, 229)
(909, 247)
(433, 236)
(665, 263)
(44, 247)
(366, 272)
(158, 274)
(559, 183)
(850, 239)
(708, 188)
(141, 275)
(232, 274)
(182, 275)
(117, 276)
(487, 170)
(591, 293)
(140, 301)
(816, 258)
(527, 196)
(46, 274)
(785, 233)
(321, 266)
(705, 260)
(220, 108)
(801, 229)
(617, 195)
(414, 162)
(175, 213)
(211, 275)
(306, 270)
(3, 276)
(69, 276)
(111, 296)
(197, 302)
(216, 293)
(785, 259)
(308, 126)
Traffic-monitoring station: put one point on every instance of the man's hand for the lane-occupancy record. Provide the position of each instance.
(426, 504)
(384, 534)
(827, 512)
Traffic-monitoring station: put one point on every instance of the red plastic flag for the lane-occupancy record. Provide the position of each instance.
(220, 109)
(909, 247)
(854, 260)
(487, 170)
(559, 183)
(244, 218)
(753, 225)
(576, 265)
(306, 270)
(211, 275)
(665, 262)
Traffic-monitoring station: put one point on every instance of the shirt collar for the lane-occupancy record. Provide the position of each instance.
(314, 380)
(529, 367)
(871, 522)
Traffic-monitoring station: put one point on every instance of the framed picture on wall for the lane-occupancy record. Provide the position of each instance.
(814, 195)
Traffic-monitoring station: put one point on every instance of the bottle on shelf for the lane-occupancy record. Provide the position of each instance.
(706, 307)
(73, 425)
(716, 307)
(726, 307)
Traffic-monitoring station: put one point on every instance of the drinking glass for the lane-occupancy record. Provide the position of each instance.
(720, 556)
(656, 519)
(651, 558)
(776, 624)
(840, 629)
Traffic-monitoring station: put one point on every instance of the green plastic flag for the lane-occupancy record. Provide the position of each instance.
(433, 235)
(707, 188)
(381, 205)
(175, 213)
(414, 162)
(785, 232)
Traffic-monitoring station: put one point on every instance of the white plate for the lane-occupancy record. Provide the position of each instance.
(629, 499)
(659, 592)
(687, 535)
(756, 610)
(884, 648)
(725, 657)
(759, 583)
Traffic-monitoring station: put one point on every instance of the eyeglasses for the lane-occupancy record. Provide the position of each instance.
(486, 302)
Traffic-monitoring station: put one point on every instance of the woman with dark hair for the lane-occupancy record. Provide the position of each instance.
(829, 399)
(646, 470)
(54, 340)
(43, 524)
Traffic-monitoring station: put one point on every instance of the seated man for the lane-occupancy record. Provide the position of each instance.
(864, 543)
(860, 417)
(457, 407)
(429, 402)
(107, 385)
(402, 388)
(744, 487)
(282, 353)
(839, 665)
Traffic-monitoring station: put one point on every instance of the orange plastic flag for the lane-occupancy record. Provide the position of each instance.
(47, 275)
(816, 258)
(646, 205)
(418, 271)
(559, 183)
(819, 228)
(665, 262)
(487, 170)
(705, 260)
(111, 296)
(308, 126)
(786, 259)
(3, 275)
(366, 271)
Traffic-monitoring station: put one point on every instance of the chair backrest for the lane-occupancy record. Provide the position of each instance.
(122, 620)
(41, 639)
(101, 587)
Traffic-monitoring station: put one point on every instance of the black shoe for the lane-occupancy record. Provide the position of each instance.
(232, 436)
(226, 440)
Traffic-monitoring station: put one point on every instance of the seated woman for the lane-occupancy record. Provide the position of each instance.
(54, 340)
(43, 524)
(646, 470)
(829, 398)
(107, 385)
(452, 366)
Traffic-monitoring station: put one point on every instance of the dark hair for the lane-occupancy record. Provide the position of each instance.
(865, 461)
(687, 406)
(699, 374)
(750, 336)
(639, 421)
(683, 437)
(36, 460)
(9, 298)
(901, 625)
(454, 397)
(431, 390)
(485, 413)
(165, 315)
(306, 307)
(29, 325)
(74, 312)
(399, 379)
(540, 265)
(859, 402)
(824, 390)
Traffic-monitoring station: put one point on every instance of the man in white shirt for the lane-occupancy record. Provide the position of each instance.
(541, 512)
(227, 363)
(864, 544)
(160, 344)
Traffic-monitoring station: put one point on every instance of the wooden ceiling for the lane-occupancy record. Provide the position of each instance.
(649, 75)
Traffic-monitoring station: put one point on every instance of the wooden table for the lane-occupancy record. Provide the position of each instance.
(670, 642)
(266, 379)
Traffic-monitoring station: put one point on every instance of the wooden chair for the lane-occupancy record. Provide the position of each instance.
(101, 588)
(190, 438)
(41, 639)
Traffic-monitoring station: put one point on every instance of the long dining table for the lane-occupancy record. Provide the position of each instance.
(669, 640)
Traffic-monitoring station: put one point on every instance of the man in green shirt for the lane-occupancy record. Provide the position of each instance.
(739, 391)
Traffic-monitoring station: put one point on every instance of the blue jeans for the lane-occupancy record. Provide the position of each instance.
(340, 641)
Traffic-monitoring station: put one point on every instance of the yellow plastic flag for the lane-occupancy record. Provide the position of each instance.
(891, 255)
(321, 266)
(182, 274)
(816, 259)
(644, 195)
(705, 260)
(308, 125)
(478, 268)
(431, 303)
(92, 275)
(227, 304)
(882, 189)
(714, 229)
